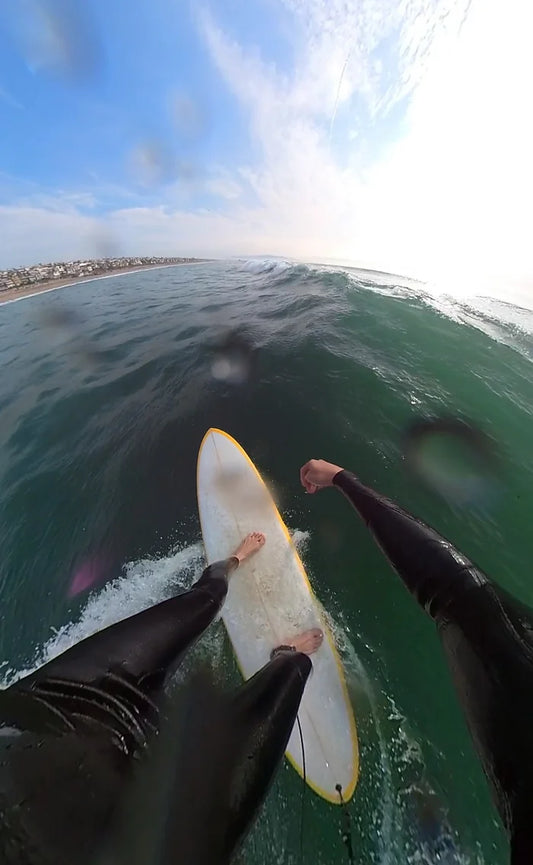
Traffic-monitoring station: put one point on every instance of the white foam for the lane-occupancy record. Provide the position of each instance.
(273, 266)
(144, 583)
(498, 319)
(301, 540)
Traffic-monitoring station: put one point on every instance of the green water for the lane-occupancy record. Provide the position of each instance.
(107, 390)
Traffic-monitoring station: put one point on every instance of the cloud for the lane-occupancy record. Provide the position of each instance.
(458, 186)
(60, 234)
(396, 134)
(61, 202)
(313, 190)
(448, 195)
(225, 187)
(50, 234)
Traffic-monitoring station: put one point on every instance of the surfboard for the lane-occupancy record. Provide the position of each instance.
(271, 600)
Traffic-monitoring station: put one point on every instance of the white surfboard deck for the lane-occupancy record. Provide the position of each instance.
(269, 601)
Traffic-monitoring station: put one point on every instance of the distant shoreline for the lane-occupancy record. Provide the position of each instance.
(11, 295)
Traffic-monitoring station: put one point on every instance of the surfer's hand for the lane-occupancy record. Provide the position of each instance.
(317, 474)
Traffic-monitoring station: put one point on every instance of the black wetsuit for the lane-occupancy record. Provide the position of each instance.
(74, 728)
(85, 716)
(488, 639)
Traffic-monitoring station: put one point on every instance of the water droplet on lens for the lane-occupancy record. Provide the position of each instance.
(233, 360)
(221, 369)
(455, 458)
(59, 37)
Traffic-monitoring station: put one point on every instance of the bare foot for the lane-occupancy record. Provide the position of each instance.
(251, 544)
(308, 642)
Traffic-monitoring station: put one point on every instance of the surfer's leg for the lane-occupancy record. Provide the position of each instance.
(147, 646)
(91, 710)
(265, 712)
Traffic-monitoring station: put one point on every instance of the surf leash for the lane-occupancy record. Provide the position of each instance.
(304, 779)
(346, 822)
(346, 826)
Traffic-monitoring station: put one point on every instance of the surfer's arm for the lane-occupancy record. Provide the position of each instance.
(433, 570)
(487, 636)
(439, 576)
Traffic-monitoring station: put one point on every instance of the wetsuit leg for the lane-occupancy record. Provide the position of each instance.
(250, 735)
(266, 707)
(253, 728)
(127, 661)
(488, 640)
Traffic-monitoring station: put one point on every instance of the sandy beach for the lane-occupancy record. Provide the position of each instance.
(12, 294)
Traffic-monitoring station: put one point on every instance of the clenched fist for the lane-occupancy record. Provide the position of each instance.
(317, 474)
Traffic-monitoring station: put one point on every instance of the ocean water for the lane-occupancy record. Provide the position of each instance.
(107, 389)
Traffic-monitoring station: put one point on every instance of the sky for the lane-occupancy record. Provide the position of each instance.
(391, 134)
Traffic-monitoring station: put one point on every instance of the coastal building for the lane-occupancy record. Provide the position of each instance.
(19, 277)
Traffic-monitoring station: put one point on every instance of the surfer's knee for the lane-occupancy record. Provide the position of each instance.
(215, 578)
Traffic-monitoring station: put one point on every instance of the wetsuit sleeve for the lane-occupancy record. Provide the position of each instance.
(433, 570)
(487, 636)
